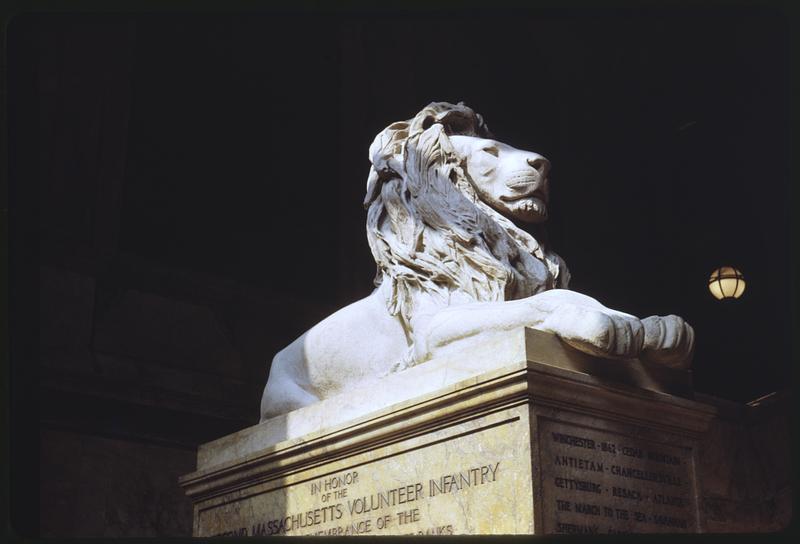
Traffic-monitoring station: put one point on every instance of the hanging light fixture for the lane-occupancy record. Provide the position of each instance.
(726, 282)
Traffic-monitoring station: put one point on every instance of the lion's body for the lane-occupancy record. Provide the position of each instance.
(453, 268)
(320, 363)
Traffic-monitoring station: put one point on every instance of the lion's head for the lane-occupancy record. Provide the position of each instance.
(511, 181)
(442, 197)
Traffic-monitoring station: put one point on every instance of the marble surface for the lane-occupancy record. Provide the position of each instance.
(517, 346)
(444, 203)
(605, 478)
(450, 481)
(487, 448)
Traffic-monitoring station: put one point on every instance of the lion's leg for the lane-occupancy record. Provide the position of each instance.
(577, 319)
(284, 391)
(587, 325)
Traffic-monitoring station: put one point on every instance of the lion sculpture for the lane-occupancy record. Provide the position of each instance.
(445, 203)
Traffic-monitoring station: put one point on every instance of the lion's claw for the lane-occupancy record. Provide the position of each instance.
(591, 330)
(668, 341)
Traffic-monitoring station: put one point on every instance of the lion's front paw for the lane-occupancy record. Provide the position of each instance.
(668, 341)
(597, 332)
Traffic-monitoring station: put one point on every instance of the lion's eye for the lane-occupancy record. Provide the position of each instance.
(492, 150)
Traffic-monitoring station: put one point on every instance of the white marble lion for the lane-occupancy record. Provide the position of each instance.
(445, 204)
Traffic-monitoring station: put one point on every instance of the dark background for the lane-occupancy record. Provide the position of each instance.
(185, 199)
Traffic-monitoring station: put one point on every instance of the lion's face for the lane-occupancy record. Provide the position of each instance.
(512, 181)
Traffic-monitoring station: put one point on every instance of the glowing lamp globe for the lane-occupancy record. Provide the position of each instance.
(726, 282)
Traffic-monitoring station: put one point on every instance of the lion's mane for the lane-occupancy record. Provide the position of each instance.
(430, 233)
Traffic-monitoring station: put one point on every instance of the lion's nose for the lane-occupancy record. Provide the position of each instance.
(540, 164)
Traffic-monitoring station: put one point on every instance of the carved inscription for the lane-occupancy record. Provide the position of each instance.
(454, 480)
(342, 507)
(598, 482)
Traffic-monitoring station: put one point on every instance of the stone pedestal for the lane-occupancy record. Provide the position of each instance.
(524, 436)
